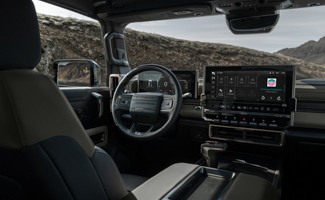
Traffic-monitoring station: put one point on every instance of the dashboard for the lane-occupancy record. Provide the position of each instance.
(240, 103)
(154, 81)
(247, 118)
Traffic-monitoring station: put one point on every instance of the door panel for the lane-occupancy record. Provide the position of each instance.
(99, 135)
(87, 109)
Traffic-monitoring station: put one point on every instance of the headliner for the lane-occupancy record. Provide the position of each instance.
(127, 11)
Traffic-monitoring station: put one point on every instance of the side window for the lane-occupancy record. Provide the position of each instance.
(68, 36)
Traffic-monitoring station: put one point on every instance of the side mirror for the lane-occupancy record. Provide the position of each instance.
(74, 72)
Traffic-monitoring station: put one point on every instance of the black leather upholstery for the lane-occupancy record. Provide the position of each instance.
(10, 189)
(57, 168)
(20, 46)
(108, 174)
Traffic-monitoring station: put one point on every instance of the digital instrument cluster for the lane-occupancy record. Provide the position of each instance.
(154, 81)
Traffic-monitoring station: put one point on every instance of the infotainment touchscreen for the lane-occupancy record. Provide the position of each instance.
(249, 91)
(254, 86)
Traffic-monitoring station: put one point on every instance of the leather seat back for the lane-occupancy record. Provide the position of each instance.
(43, 145)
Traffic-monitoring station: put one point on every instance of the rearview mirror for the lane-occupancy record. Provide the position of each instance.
(70, 72)
(252, 24)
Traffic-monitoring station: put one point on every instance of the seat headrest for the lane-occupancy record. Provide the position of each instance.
(20, 44)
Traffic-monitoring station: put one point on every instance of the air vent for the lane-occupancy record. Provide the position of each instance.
(248, 135)
(262, 136)
(226, 133)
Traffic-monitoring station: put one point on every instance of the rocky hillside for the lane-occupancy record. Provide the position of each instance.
(182, 54)
(311, 51)
(78, 39)
(67, 38)
(74, 73)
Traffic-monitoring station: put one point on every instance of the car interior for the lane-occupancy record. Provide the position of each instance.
(230, 132)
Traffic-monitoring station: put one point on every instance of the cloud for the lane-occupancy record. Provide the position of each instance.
(46, 8)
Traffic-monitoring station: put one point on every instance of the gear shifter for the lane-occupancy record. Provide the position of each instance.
(211, 151)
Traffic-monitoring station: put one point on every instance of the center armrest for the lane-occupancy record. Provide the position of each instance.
(159, 185)
(197, 182)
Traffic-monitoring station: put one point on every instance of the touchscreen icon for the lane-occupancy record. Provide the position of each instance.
(271, 82)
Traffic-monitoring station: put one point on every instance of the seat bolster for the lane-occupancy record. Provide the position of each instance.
(33, 109)
(109, 174)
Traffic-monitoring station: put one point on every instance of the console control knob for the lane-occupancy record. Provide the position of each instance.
(197, 108)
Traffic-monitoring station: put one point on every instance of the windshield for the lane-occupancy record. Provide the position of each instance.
(194, 43)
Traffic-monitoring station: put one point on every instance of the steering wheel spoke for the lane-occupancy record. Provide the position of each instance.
(136, 129)
(167, 105)
(123, 102)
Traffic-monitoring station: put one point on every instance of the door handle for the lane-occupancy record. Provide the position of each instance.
(100, 106)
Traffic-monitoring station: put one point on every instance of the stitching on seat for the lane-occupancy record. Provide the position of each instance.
(14, 110)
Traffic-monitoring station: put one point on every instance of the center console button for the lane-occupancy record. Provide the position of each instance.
(217, 121)
(273, 125)
(233, 122)
(252, 123)
(243, 123)
(262, 125)
(224, 121)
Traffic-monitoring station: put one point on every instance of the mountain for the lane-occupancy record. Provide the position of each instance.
(311, 51)
(64, 38)
(146, 48)
(68, 38)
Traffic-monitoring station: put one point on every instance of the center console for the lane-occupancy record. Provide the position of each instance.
(251, 104)
(183, 181)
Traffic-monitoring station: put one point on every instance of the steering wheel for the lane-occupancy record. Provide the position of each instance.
(147, 109)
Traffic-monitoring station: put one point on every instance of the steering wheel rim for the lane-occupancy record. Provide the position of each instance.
(172, 113)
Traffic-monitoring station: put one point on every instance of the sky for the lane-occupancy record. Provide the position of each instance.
(292, 30)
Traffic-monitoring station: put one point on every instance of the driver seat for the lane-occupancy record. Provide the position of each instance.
(44, 148)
